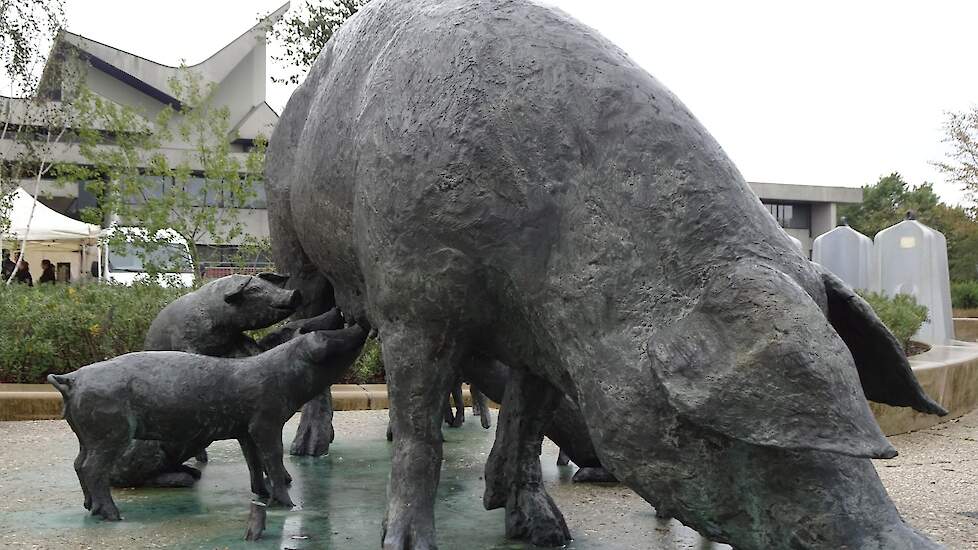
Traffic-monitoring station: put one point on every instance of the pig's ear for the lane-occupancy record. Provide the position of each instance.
(236, 288)
(756, 360)
(274, 278)
(884, 371)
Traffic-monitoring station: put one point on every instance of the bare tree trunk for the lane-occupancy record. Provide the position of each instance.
(42, 169)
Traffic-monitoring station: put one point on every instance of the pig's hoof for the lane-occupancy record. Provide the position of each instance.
(563, 459)
(281, 497)
(403, 536)
(256, 521)
(171, 480)
(201, 457)
(189, 470)
(532, 515)
(485, 418)
(312, 441)
(457, 421)
(88, 502)
(594, 475)
(106, 511)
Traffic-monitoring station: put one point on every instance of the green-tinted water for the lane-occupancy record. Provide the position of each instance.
(342, 499)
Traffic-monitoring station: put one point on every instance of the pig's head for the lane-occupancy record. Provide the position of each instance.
(755, 399)
(249, 302)
(332, 351)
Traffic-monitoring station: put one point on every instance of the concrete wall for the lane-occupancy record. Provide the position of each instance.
(807, 193)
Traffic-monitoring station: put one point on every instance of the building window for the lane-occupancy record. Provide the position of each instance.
(200, 189)
(230, 256)
(791, 216)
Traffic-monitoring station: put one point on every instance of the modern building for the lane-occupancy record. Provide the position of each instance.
(238, 71)
(806, 211)
(238, 74)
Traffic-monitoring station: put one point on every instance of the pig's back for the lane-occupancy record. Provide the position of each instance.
(509, 133)
(159, 376)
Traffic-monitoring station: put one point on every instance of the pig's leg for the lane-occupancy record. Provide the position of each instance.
(513, 477)
(255, 469)
(268, 440)
(95, 472)
(480, 407)
(459, 418)
(562, 458)
(315, 431)
(420, 371)
(79, 461)
(449, 416)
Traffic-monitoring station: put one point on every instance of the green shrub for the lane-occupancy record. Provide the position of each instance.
(53, 329)
(368, 368)
(901, 314)
(964, 294)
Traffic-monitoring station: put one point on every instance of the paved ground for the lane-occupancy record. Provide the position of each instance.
(933, 483)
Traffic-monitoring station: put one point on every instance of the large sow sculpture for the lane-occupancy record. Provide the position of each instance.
(491, 177)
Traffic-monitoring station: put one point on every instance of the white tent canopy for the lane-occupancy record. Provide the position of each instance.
(48, 229)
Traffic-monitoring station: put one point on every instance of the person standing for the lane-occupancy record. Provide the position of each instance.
(8, 266)
(47, 272)
(23, 273)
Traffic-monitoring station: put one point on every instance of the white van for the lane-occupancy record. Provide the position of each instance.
(123, 263)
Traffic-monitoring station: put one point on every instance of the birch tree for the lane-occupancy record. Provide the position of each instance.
(140, 181)
(34, 121)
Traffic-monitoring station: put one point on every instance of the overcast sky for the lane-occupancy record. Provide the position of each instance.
(821, 93)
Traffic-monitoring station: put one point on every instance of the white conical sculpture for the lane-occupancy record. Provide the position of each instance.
(911, 258)
(847, 253)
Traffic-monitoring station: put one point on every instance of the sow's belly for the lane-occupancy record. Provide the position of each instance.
(323, 222)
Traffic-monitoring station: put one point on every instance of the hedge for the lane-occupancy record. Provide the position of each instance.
(55, 329)
(901, 314)
(964, 294)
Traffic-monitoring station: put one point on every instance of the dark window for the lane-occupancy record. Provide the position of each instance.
(791, 216)
(231, 256)
(203, 191)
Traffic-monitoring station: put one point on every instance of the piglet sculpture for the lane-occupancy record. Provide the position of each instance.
(212, 319)
(165, 395)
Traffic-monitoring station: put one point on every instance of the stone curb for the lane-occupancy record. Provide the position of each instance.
(43, 402)
(949, 374)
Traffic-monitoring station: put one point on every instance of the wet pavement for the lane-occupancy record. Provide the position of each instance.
(342, 496)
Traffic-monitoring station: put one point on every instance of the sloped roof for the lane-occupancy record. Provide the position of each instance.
(260, 120)
(153, 78)
(215, 68)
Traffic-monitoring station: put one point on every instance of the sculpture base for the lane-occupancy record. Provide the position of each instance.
(343, 495)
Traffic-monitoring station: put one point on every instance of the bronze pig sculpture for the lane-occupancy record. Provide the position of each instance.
(173, 396)
(491, 177)
(212, 320)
